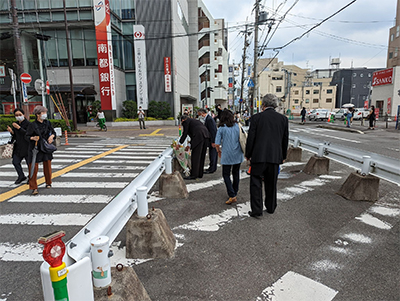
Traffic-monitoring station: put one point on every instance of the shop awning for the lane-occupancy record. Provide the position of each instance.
(80, 89)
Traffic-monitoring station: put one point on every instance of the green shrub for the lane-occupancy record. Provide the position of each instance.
(159, 109)
(96, 105)
(8, 120)
(129, 109)
(60, 123)
(122, 119)
(170, 118)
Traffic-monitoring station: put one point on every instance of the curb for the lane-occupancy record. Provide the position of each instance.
(340, 129)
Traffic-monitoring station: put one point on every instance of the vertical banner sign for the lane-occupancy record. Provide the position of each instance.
(24, 92)
(389, 105)
(366, 104)
(376, 113)
(141, 66)
(104, 54)
(167, 74)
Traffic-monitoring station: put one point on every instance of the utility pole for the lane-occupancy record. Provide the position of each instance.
(71, 84)
(341, 92)
(243, 67)
(18, 53)
(255, 76)
(205, 104)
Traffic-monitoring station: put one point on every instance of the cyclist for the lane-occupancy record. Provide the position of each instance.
(101, 118)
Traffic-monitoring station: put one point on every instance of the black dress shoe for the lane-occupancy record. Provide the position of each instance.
(189, 178)
(208, 172)
(19, 180)
(254, 214)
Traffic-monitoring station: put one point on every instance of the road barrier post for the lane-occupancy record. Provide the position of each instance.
(168, 165)
(142, 205)
(100, 254)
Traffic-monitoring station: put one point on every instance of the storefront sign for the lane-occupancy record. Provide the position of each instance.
(389, 105)
(104, 54)
(141, 66)
(167, 74)
(2, 71)
(366, 104)
(24, 92)
(383, 77)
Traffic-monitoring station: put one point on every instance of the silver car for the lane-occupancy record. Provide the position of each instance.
(318, 114)
(340, 114)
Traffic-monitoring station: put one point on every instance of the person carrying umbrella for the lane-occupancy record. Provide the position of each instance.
(40, 129)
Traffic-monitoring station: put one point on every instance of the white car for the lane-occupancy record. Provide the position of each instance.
(340, 114)
(318, 114)
(360, 113)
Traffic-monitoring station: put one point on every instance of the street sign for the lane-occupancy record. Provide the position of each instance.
(24, 92)
(250, 84)
(389, 105)
(366, 104)
(26, 78)
(241, 100)
(47, 88)
(2, 70)
(39, 86)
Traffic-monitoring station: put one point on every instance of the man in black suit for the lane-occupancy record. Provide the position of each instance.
(209, 122)
(266, 148)
(200, 138)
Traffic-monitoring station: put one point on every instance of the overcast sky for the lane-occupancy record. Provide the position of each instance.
(358, 35)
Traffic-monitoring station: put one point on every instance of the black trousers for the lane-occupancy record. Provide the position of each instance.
(213, 156)
(16, 161)
(269, 172)
(198, 157)
(232, 189)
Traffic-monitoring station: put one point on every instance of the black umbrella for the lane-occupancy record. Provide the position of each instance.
(34, 154)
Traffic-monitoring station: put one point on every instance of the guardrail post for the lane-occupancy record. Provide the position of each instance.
(141, 195)
(366, 165)
(100, 254)
(321, 150)
(296, 142)
(168, 165)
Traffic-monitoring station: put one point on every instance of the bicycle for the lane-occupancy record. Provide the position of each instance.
(101, 128)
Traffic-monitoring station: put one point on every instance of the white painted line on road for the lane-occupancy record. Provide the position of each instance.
(117, 167)
(21, 252)
(295, 287)
(65, 160)
(57, 155)
(7, 166)
(330, 136)
(355, 237)
(384, 211)
(324, 265)
(79, 152)
(373, 221)
(70, 219)
(14, 174)
(6, 184)
(73, 199)
(98, 175)
(123, 161)
(87, 184)
(132, 157)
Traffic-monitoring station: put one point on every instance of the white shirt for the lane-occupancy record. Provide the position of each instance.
(100, 115)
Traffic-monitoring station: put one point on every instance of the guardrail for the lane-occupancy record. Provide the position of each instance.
(4, 137)
(368, 163)
(110, 221)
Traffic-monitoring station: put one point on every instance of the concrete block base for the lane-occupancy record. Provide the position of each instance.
(360, 188)
(125, 286)
(149, 237)
(294, 154)
(317, 166)
(172, 186)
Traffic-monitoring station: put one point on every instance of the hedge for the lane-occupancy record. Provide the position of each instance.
(6, 120)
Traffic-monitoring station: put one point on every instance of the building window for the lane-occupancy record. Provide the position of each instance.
(329, 91)
(354, 74)
(296, 101)
(315, 100)
(307, 91)
(307, 100)
(329, 100)
(353, 86)
(278, 89)
(390, 55)
(397, 31)
(362, 75)
(396, 50)
(296, 92)
(369, 74)
(315, 91)
(391, 37)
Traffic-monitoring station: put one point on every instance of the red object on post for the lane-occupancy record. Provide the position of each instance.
(26, 78)
(54, 248)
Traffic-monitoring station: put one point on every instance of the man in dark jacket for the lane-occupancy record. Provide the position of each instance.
(199, 140)
(209, 122)
(20, 150)
(266, 148)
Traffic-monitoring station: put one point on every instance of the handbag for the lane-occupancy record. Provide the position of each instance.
(44, 146)
(242, 138)
(8, 151)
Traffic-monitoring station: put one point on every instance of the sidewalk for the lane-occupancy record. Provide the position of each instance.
(356, 126)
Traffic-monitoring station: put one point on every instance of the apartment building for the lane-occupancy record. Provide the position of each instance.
(393, 55)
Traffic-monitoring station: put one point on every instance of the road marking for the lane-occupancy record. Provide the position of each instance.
(373, 221)
(21, 252)
(99, 175)
(87, 184)
(152, 134)
(117, 167)
(69, 219)
(132, 157)
(358, 238)
(330, 136)
(14, 174)
(293, 286)
(73, 199)
(9, 194)
(5, 166)
(123, 161)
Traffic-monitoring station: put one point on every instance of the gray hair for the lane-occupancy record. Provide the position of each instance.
(39, 109)
(201, 111)
(270, 100)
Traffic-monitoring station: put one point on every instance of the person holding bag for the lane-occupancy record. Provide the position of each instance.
(40, 133)
(20, 149)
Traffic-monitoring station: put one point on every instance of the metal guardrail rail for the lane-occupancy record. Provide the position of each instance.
(5, 137)
(368, 163)
(111, 220)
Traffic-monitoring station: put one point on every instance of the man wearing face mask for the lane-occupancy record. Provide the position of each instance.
(20, 150)
(40, 129)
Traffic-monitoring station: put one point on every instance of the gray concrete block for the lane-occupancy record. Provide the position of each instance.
(317, 166)
(149, 237)
(294, 154)
(360, 188)
(173, 186)
(125, 286)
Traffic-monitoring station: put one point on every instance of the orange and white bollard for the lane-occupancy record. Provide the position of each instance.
(66, 137)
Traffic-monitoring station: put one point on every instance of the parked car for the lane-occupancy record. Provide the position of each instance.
(340, 114)
(318, 114)
(360, 113)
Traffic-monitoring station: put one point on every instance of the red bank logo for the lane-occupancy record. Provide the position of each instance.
(138, 35)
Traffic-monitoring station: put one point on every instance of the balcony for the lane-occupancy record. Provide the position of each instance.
(203, 61)
(204, 42)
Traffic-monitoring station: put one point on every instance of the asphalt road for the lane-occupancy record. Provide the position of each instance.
(317, 245)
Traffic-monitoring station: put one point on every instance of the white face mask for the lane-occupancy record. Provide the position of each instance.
(43, 116)
(20, 118)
